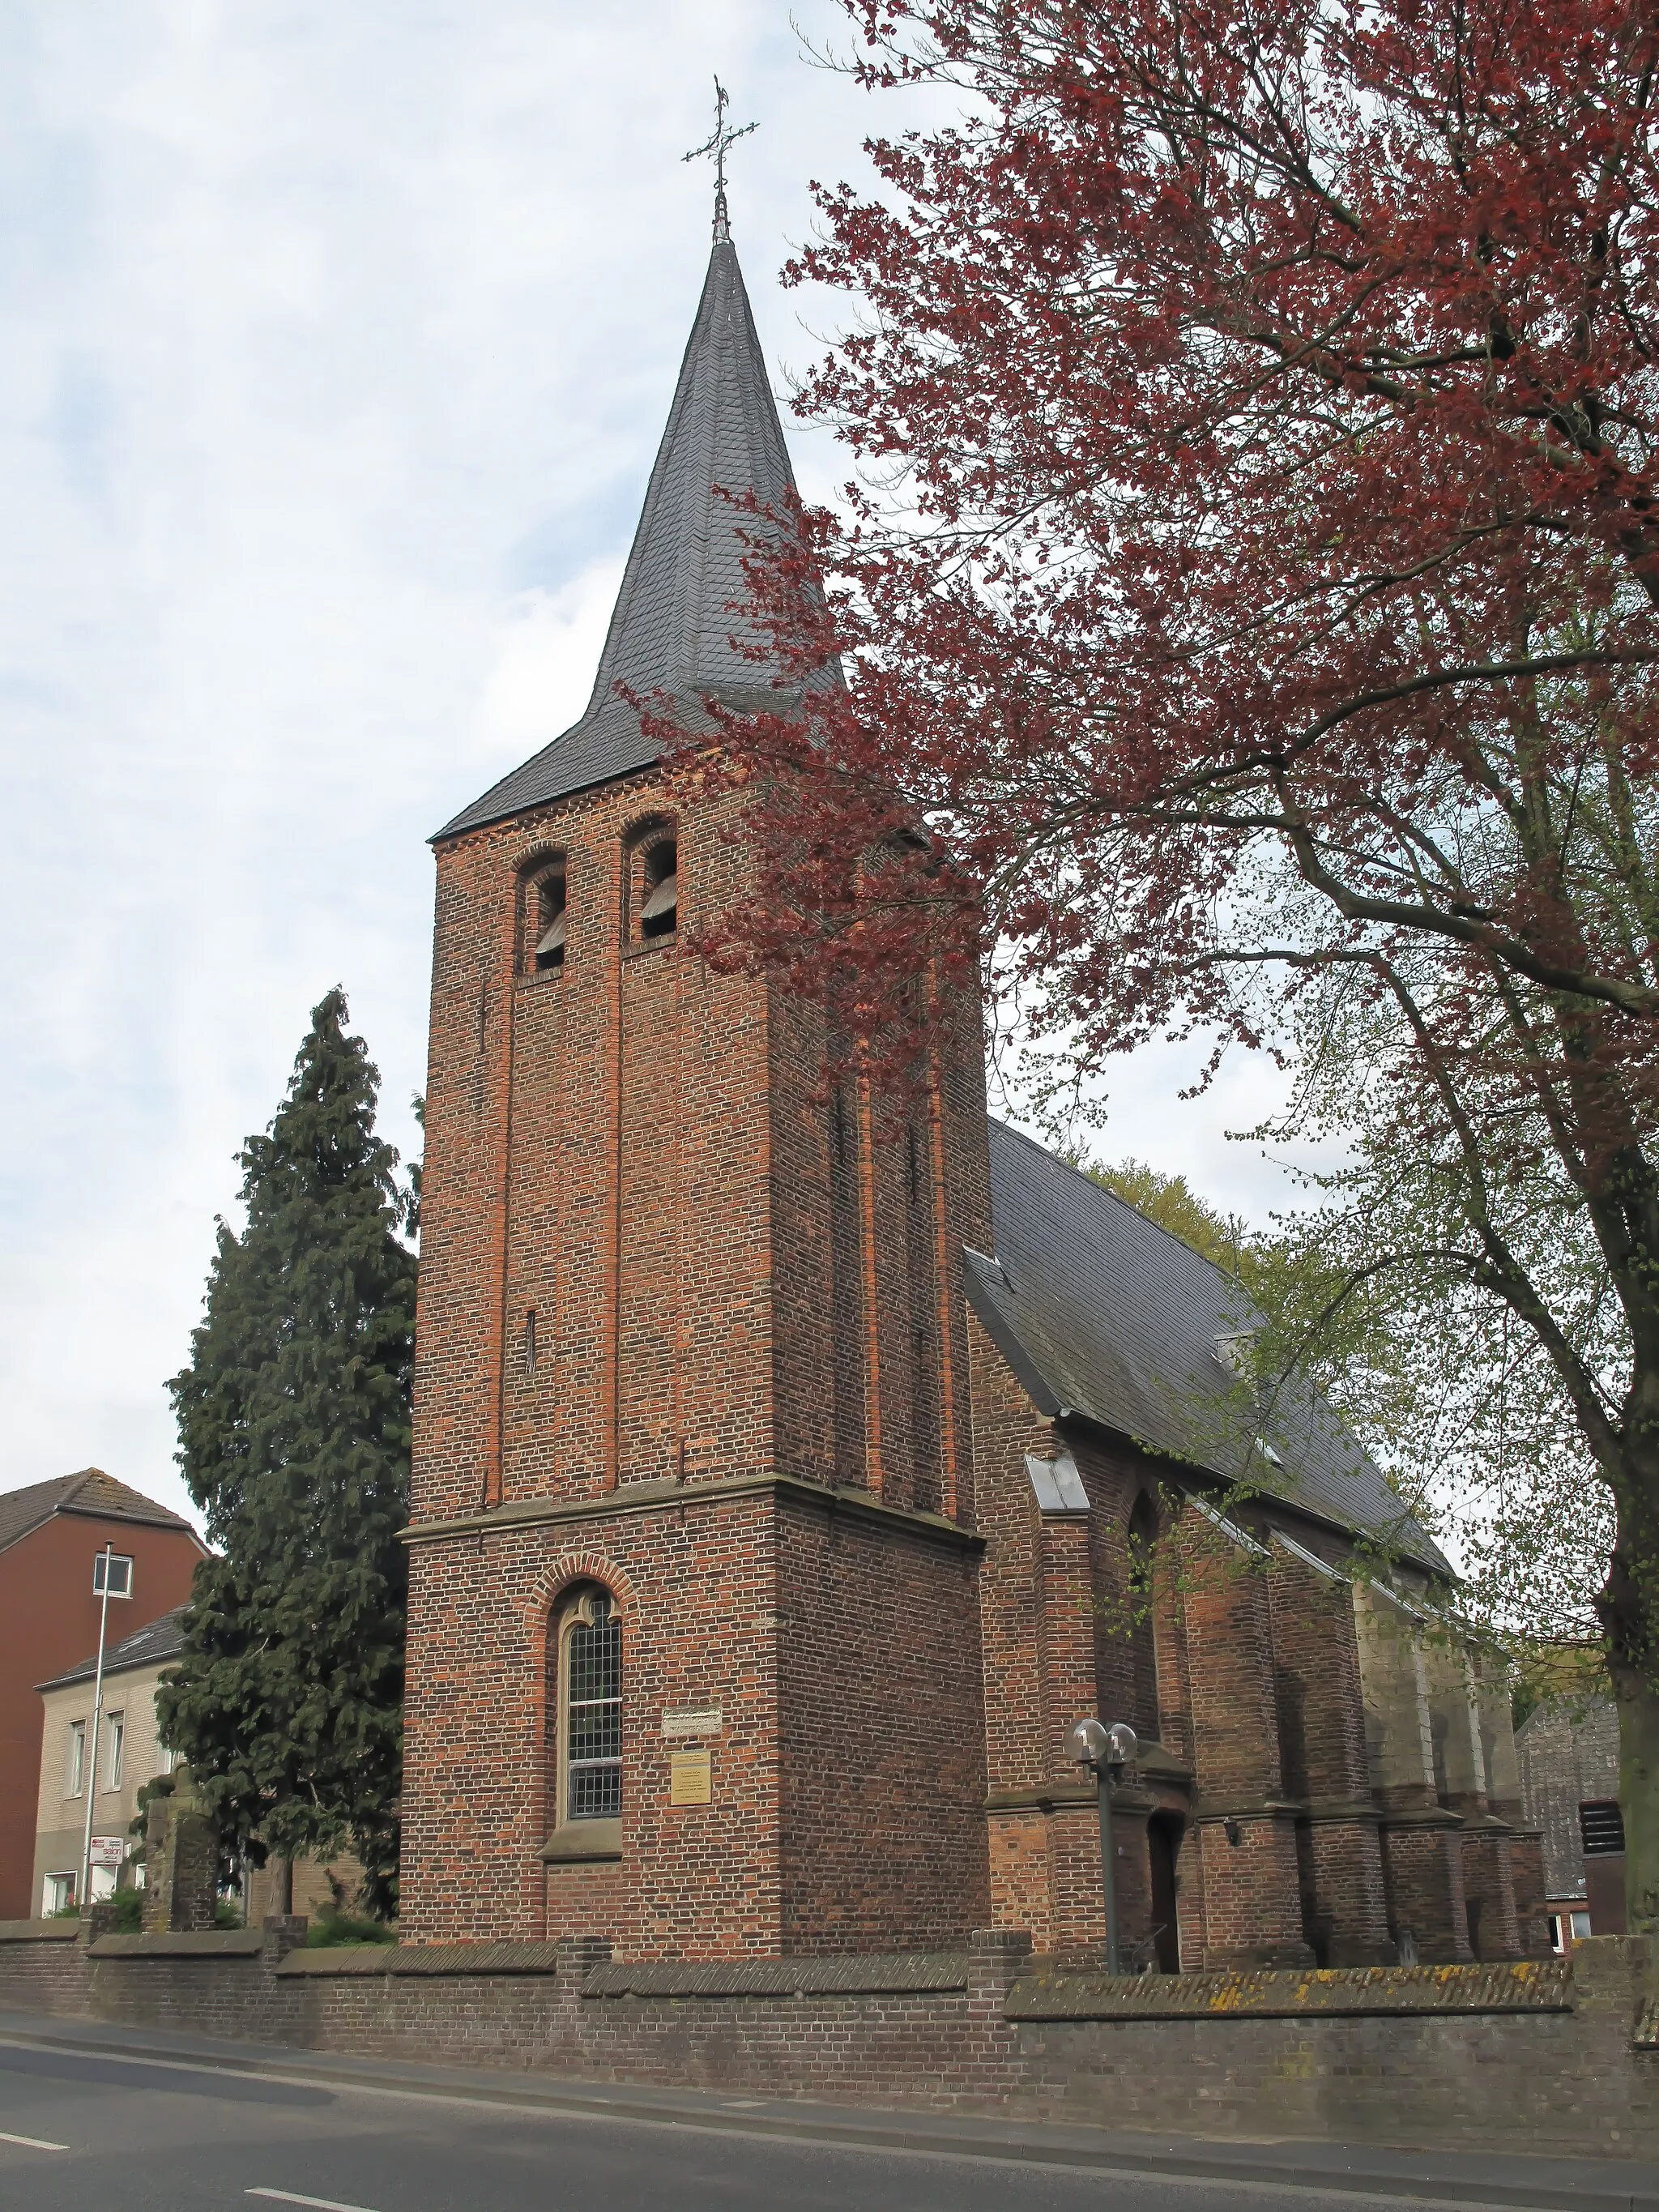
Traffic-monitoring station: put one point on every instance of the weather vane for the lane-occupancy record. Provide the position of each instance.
(716, 143)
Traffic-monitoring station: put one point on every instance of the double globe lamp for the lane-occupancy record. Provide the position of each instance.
(1108, 1751)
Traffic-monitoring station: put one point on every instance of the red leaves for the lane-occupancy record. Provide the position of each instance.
(1256, 579)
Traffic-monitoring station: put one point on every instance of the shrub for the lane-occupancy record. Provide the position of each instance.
(331, 1928)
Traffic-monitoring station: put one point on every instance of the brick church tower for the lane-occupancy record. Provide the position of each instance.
(694, 1642)
(782, 1495)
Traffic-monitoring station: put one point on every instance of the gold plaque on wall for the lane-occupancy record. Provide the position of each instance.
(690, 1777)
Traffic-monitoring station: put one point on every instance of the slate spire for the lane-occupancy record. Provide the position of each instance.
(680, 603)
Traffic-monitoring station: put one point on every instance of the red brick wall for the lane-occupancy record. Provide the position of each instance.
(1423, 1868)
(882, 1730)
(1020, 1751)
(726, 1288)
(738, 1274)
(1060, 1643)
(1245, 1845)
(1555, 2082)
(695, 1592)
(1323, 1741)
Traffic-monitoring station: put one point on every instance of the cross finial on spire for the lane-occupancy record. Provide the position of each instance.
(716, 143)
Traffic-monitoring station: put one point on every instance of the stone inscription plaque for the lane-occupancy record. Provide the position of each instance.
(690, 1777)
(693, 1721)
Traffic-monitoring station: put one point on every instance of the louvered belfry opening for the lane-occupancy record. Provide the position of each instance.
(547, 927)
(653, 878)
(1600, 1827)
(659, 909)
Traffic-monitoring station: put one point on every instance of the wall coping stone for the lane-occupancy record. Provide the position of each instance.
(339, 1958)
(38, 1932)
(470, 1957)
(783, 1977)
(181, 1944)
(1527, 1985)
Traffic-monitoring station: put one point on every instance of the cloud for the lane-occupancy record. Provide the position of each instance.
(547, 648)
(339, 340)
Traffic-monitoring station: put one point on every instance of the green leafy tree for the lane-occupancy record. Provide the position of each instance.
(1171, 1201)
(1456, 1404)
(293, 1419)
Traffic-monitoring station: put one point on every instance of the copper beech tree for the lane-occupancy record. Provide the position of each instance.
(1249, 604)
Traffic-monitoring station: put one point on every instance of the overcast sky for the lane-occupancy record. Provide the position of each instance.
(337, 341)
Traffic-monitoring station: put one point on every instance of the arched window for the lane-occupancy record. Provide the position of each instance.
(653, 880)
(590, 1709)
(544, 926)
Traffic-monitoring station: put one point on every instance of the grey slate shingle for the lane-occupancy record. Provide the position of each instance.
(1103, 1313)
(680, 602)
(159, 1639)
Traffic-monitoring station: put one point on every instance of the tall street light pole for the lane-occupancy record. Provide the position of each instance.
(83, 1899)
(1108, 1751)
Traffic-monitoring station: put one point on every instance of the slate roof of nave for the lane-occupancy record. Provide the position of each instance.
(680, 604)
(1101, 1313)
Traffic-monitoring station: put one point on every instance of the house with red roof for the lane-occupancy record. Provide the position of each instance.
(51, 1534)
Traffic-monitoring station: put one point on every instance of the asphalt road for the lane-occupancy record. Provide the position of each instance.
(86, 2132)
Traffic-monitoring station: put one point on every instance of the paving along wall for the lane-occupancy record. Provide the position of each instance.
(1560, 2056)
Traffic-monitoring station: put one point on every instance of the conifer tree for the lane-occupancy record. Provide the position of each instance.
(294, 1421)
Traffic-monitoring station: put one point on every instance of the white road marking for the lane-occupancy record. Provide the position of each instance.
(32, 2142)
(319, 2203)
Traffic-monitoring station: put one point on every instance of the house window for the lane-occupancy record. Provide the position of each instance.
(118, 1743)
(1558, 1940)
(120, 1571)
(56, 1893)
(592, 1706)
(1581, 1926)
(75, 1759)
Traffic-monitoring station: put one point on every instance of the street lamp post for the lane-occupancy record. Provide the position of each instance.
(89, 1763)
(1108, 1751)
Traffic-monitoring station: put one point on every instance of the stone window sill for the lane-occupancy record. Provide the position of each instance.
(583, 1841)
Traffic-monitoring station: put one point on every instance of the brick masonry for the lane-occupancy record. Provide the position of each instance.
(692, 1329)
(638, 1154)
(696, 1370)
(1491, 2058)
